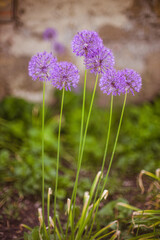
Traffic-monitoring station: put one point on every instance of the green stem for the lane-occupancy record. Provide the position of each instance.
(82, 117)
(105, 154)
(43, 113)
(108, 135)
(111, 160)
(81, 137)
(58, 151)
(82, 149)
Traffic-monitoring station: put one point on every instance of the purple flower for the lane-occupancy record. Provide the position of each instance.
(40, 65)
(112, 82)
(85, 42)
(49, 34)
(102, 60)
(65, 74)
(133, 80)
(59, 48)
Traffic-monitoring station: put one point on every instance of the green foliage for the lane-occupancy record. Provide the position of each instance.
(139, 146)
(80, 228)
(111, 211)
(20, 142)
(93, 149)
(108, 211)
(20, 149)
(34, 235)
(147, 221)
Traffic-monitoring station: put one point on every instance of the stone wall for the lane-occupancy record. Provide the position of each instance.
(131, 28)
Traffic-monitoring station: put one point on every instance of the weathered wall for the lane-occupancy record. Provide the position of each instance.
(131, 28)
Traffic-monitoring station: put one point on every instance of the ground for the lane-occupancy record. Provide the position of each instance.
(24, 210)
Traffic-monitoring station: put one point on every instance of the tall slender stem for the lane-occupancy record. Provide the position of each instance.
(115, 144)
(81, 134)
(80, 158)
(58, 151)
(82, 117)
(108, 135)
(105, 153)
(43, 113)
(112, 156)
(82, 149)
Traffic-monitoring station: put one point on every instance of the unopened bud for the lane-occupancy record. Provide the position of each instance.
(51, 221)
(68, 204)
(104, 194)
(86, 198)
(40, 217)
(49, 191)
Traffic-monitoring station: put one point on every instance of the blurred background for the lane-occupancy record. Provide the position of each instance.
(131, 28)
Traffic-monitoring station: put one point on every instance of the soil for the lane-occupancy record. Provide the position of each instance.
(23, 211)
(26, 209)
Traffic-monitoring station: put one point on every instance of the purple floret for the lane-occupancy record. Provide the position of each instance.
(49, 34)
(85, 42)
(112, 82)
(59, 48)
(102, 61)
(65, 74)
(40, 65)
(133, 80)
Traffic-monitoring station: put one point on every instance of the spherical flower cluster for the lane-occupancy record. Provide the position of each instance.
(59, 48)
(112, 82)
(40, 65)
(97, 58)
(85, 43)
(64, 74)
(133, 81)
(49, 34)
(117, 82)
(102, 61)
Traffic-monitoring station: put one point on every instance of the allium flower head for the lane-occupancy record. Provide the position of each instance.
(49, 34)
(133, 80)
(59, 48)
(112, 82)
(40, 65)
(85, 42)
(65, 74)
(102, 61)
